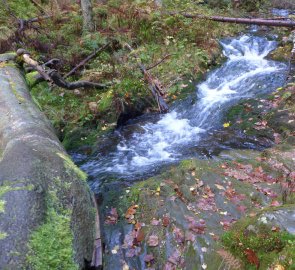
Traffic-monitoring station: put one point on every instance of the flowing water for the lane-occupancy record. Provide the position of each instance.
(149, 142)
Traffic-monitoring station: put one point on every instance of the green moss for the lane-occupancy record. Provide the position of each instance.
(15, 92)
(71, 167)
(31, 78)
(7, 187)
(79, 137)
(2, 206)
(267, 244)
(50, 246)
(3, 235)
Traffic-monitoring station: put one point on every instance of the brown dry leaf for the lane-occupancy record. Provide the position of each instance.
(140, 235)
(220, 187)
(112, 217)
(165, 221)
(153, 241)
(130, 213)
(252, 257)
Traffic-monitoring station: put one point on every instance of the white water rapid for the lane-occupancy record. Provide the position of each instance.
(245, 74)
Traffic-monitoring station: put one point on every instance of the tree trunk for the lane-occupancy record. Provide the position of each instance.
(44, 197)
(88, 24)
(256, 21)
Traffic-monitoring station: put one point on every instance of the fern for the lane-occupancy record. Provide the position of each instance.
(229, 260)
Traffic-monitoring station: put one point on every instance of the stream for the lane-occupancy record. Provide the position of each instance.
(146, 144)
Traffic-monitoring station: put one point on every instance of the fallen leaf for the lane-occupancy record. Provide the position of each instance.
(112, 217)
(153, 241)
(148, 258)
(189, 236)
(242, 208)
(130, 213)
(178, 235)
(220, 187)
(155, 222)
(275, 203)
(252, 257)
(165, 221)
(140, 235)
(225, 125)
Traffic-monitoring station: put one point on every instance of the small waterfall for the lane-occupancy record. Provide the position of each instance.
(164, 140)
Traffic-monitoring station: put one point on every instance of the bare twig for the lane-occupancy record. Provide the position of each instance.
(159, 62)
(154, 84)
(36, 4)
(87, 59)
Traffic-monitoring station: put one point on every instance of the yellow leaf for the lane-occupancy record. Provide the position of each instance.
(279, 267)
(226, 124)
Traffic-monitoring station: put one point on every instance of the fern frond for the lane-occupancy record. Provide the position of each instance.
(230, 260)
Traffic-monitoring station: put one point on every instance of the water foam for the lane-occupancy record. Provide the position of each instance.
(245, 74)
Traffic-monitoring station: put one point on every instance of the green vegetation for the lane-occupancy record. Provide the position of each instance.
(268, 243)
(3, 235)
(2, 206)
(191, 45)
(71, 167)
(48, 252)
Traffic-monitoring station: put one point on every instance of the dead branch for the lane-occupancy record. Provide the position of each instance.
(266, 22)
(159, 62)
(97, 249)
(154, 84)
(36, 4)
(52, 76)
(87, 59)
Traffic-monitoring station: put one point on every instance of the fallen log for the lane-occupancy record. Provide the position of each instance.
(52, 76)
(154, 84)
(266, 22)
(46, 210)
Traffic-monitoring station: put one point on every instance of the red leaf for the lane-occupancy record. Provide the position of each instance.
(148, 258)
(153, 241)
(252, 257)
(165, 221)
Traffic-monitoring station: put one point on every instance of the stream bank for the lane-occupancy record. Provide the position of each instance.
(178, 219)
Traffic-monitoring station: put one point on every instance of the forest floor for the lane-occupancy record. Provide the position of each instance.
(190, 212)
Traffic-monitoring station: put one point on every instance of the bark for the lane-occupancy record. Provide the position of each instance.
(36, 175)
(266, 22)
(87, 13)
(153, 83)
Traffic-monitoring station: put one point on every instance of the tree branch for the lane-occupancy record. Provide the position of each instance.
(87, 59)
(159, 62)
(52, 76)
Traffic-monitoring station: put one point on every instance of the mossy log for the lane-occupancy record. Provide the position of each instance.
(47, 217)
